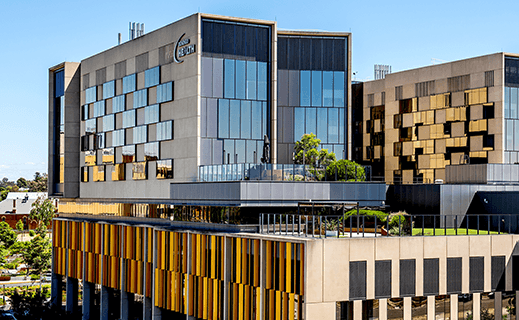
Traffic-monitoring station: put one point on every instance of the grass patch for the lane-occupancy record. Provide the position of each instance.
(450, 231)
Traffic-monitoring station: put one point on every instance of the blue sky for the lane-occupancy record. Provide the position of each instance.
(404, 34)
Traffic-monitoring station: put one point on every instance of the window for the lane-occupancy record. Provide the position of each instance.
(129, 83)
(305, 89)
(488, 141)
(84, 174)
(152, 77)
(317, 88)
(84, 143)
(151, 151)
(223, 118)
(108, 89)
(99, 141)
(118, 104)
(262, 81)
(164, 169)
(139, 171)
(118, 138)
(151, 114)
(90, 158)
(140, 98)
(338, 89)
(99, 173)
(118, 172)
(91, 95)
(241, 79)
(234, 121)
(140, 134)
(129, 119)
(251, 80)
(90, 126)
(165, 92)
(108, 123)
(108, 155)
(399, 92)
(229, 78)
(86, 112)
(128, 154)
(165, 130)
(99, 108)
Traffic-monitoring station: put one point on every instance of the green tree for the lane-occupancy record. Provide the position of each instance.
(37, 254)
(22, 183)
(5, 190)
(7, 234)
(39, 184)
(306, 151)
(42, 213)
(19, 226)
(346, 171)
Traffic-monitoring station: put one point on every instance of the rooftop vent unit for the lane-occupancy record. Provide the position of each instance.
(136, 30)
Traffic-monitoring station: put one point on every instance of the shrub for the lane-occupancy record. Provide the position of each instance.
(346, 171)
(370, 214)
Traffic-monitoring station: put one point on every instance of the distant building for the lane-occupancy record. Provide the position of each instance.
(17, 206)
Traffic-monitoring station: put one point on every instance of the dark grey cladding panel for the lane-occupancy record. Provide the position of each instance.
(407, 277)
(477, 274)
(515, 275)
(383, 279)
(357, 280)
(431, 273)
(454, 272)
(498, 273)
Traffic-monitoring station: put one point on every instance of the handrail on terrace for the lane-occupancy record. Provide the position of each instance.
(352, 226)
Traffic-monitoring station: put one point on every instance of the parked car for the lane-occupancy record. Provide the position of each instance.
(6, 315)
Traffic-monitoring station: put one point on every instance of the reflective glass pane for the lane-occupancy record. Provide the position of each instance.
(228, 148)
(251, 80)
(251, 151)
(322, 125)
(140, 98)
(218, 78)
(245, 119)
(165, 130)
(128, 154)
(341, 125)
(509, 135)
(165, 92)
(256, 120)
(317, 88)
(140, 134)
(262, 81)
(229, 79)
(507, 102)
(240, 79)
(223, 118)
(305, 89)
(338, 89)
(234, 119)
(118, 104)
(207, 77)
(151, 151)
(513, 103)
(108, 89)
(333, 125)
(152, 77)
(90, 95)
(516, 135)
(240, 151)
(164, 169)
(151, 114)
(129, 119)
(311, 121)
(108, 122)
(264, 119)
(139, 170)
(299, 120)
(328, 89)
(129, 83)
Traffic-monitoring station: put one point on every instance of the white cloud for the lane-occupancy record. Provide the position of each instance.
(30, 163)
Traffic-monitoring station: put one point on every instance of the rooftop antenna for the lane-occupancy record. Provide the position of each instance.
(119, 37)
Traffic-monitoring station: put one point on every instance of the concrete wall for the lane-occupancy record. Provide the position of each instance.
(483, 173)
(328, 265)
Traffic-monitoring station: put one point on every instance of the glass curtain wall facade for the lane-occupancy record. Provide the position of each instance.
(511, 113)
(236, 64)
(59, 126)
(312, 91)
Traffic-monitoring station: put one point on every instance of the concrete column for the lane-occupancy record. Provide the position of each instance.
(382, 309)
(72, 295)
(147, 303)
(431, 307)
(408, 314)
(357, 310)
(454, 307)
(476, 306)
(56, 290)
(88, 299)
(157, 312)
(125, 306)
(105, 303)
(498, 310)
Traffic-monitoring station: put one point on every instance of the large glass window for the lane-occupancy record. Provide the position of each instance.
(164, 169)
(256, 120)
(151, 114)
(108, 89)
(108, 123)
(509, 135)
(99, 173)
(328, 89)
(90, 95)
(245, 119)
(229, 78)
(317, 88)
(128, 154)
(223, 118)
(140, 134)
(251, 80)
(99, 108)
(240, 151)
(118, 172)
(129, 119)
(118, 104)
(507, 102)
(140, 98)
(262, 81)
(90, 126)
(240, 79)
(513, 103)
(338, 89)
(333, 125)
(299, 119)
(129, 83)
(118, 138)
(234, 121)
(165, 92)
(165, 130)
(305, 88)
(228, 148)
(311, 120)
(322, 125)
(139, 170)
(152, 77)
(151, 151)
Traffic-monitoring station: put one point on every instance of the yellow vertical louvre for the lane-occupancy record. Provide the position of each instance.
(288, 277)
(216, 299)
(301, 269)
(191, 295)
(256, 263)
(291, 306)
(196, 261)
(282, 262)
(205, 310)
(237, 270)
(244, 265)
(278, 304)
(213, 262)
(268, 264)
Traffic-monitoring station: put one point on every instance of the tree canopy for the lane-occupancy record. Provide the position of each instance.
(306, 151)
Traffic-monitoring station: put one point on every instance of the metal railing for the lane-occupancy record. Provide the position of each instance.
(350, 226)
(273, 172)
